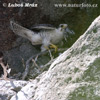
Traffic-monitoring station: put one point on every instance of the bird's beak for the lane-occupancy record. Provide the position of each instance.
(70, 31)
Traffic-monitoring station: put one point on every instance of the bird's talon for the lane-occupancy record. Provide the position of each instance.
(54, 46)
(46, 48)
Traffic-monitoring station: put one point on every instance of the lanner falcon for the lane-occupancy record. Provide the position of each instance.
(45, 35)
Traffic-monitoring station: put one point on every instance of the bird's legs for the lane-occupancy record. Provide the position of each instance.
(43, 48)
(49, 52)
(54, 46)
(46, 47)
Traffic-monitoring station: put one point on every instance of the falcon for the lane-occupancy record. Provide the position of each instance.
(45, 35)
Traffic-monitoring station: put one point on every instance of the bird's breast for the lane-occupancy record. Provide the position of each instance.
(56, 37)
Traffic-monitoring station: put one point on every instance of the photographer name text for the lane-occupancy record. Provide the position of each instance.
(20, 5)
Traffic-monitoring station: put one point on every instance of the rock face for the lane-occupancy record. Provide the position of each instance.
(21, 52)
(10, 88)
(74, 75)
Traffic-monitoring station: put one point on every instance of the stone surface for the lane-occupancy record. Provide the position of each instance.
(10, 88)
(16, 57)
(74, 75)
(29, 90)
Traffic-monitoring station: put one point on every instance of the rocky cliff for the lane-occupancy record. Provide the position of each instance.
(74, 75)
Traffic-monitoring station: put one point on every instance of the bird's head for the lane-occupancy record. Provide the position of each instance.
(63, 26)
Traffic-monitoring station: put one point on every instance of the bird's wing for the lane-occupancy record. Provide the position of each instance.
(43, 27)
(20, 30)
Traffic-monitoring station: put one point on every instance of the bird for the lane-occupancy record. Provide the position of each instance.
(44, 34)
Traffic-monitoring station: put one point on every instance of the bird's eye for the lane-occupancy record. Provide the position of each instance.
(61, 25)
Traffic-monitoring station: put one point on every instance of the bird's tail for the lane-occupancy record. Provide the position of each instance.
(15, 27)
(20, 30)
